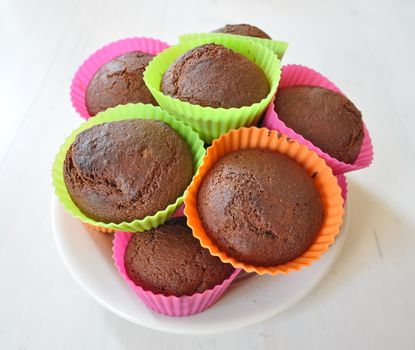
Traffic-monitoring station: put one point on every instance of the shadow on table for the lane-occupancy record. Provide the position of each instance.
(370, 218)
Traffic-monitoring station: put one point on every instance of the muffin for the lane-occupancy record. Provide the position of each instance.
(120, 81)
(214, 76)
(326, 118)
(243, 29)
(170, 261)
(260, 207)
(125, 170)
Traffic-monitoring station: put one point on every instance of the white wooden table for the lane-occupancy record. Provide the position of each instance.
(366, 47)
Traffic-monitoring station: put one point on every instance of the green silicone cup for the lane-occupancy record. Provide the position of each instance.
(123, 112)
(276, 46)
(210, 122)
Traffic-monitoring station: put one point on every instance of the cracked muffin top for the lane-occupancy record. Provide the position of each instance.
(120, 81)
(260, 207)
(170, 261)
(126, 170)
(327, 119)
(243, 29)
(214, 76)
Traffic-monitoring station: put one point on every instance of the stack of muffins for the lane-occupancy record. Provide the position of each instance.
(266, 196)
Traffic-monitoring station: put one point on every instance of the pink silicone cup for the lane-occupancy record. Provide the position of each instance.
(342, 182)
(167, 305)
(105, 54)
(179, 212)
(293, 75)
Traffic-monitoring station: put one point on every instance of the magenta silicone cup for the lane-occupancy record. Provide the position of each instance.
(294, 75)
(179, 212)
(167, 305)
(342, 182)
(105, 54)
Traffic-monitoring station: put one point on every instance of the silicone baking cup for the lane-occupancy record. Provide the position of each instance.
(342, 182)
(123, 112)
(210, 122)
(324, 180)
(167, 305)
(97, 228)
(295, 75)
(105, 54)
(278, 47)
(177, 213)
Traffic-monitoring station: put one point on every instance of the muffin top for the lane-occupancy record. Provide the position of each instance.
(170, 261)
(215, 76)
(260, 207)
(243, 29)
(119, 81)
(126, 170)
(326, 118)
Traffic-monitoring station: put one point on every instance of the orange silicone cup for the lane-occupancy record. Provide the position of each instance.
(97, 228)
(324, 180)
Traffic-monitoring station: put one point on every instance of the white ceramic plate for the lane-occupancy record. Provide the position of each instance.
(88, 257)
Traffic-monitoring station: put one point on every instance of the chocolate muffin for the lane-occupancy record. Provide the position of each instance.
(170, 261)
(260, 207)
(127, 170)
(215, 76)
(120, 81)
(243, 29)
(326, 118)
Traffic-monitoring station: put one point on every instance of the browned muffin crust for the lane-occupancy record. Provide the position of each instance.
(120, 81)
(127, 170)
(326, 118)
(243, 29)
(170, 261)
(215, 76)
(260, 207)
